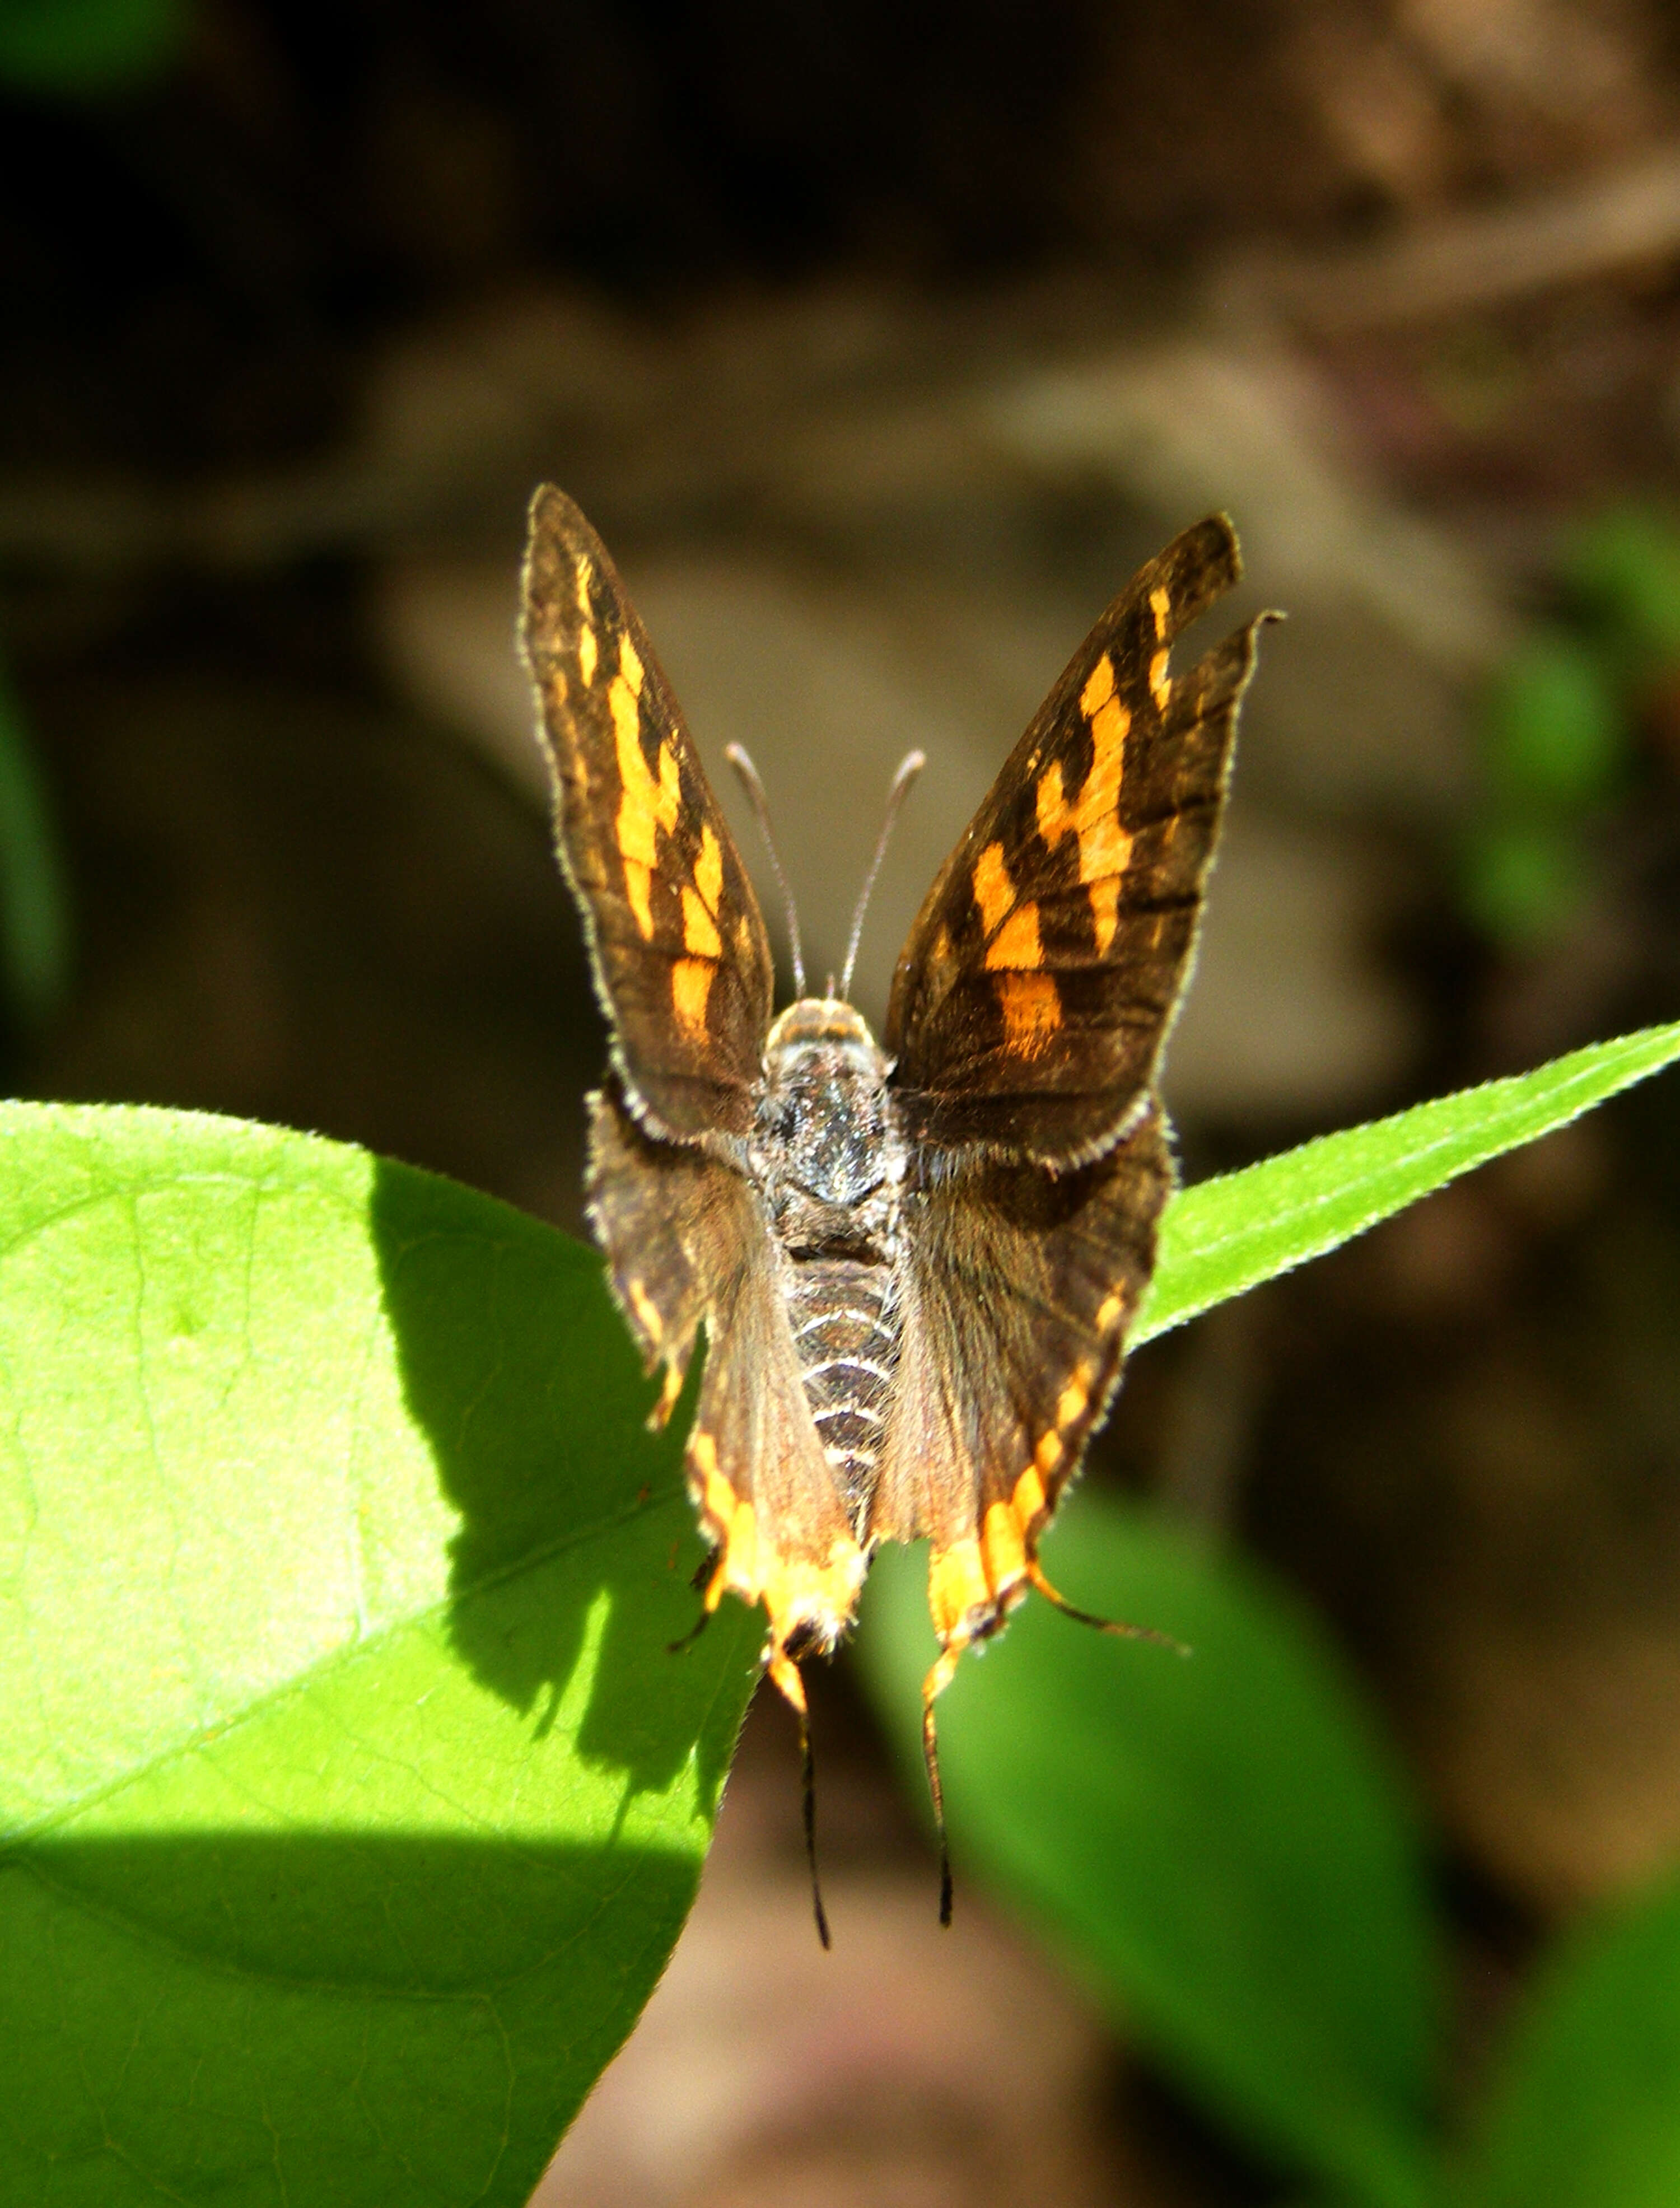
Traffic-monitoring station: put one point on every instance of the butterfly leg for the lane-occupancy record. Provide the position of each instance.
(1116, 1626)
(785, 1673)
(711, 1582)
(932, 1688)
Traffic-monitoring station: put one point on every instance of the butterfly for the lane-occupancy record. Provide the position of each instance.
(916, 1261)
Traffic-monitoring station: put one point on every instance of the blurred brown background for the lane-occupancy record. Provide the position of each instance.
(881, 343)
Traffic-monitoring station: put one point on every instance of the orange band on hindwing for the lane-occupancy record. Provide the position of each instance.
(814, 1598)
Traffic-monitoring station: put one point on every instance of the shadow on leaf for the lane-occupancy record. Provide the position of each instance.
(353, 2017)
(518, 1369)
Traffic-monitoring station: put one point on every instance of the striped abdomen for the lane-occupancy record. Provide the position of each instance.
(845, 1322)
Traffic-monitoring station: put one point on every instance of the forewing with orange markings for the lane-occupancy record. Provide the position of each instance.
(1021, 1286)
(1034, 993)
(680, 948)
(688, 1244)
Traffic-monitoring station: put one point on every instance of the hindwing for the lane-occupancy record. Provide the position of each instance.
(1020, 1286)
(680, 948)
(688, 1244)
(1034, 993)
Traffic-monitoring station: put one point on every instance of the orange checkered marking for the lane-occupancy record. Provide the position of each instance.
(979, 1579)
(1030, 1002)
(995, 893)
(1093, 814)
(646, 1311)
(653, 797)
(700, 927)
(653, 800)
(1161, 605)
(588, 650)
(1032, 1011)
(691, 991)
(795, 1591)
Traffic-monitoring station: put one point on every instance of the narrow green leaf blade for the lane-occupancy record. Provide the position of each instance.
(1216, 1844)
(1222, 1237)
(1587, 2112)
(351, 1799)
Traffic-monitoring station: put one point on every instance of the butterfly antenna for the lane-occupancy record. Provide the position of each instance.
(1122, 1632)
(742, 762)
(908, 768)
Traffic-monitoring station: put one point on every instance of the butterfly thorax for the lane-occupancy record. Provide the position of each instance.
(829, 1158)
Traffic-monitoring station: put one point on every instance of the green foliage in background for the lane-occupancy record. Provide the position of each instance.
(81, 46)
(34, 908)
(1622, 573)
(1560, 733)
(1221, 1848)
(1585, 2113)
(1216, 1844)
(352, 1801)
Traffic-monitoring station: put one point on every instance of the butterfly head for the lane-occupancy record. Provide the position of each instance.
(820, 1023)
(825, 1131)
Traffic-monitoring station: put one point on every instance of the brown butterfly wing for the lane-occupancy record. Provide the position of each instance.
(1034, 993)
(688, 1244)
(1028, 1018)
(1020, 1285)
(681, 952)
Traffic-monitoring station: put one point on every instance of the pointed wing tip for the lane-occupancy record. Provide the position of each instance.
(559, 538)
(551, 507)
(557, 530)
(1210, 548)
(1196, 570)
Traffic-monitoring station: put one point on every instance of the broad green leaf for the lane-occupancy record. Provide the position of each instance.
(353, 1801)
(1216, 1843)
(1224, 1236)
(1587, 2112)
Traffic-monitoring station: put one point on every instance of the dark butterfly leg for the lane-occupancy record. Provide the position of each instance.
(932, 1688)
(786, 1674)
(1122, 1631)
